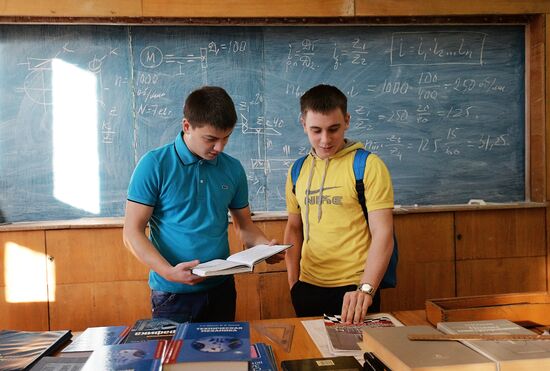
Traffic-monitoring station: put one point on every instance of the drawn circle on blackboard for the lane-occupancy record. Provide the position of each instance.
(95, 64)
(36, 87)
(151, 57)
(216, 344)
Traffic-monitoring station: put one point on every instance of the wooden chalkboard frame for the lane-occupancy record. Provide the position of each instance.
(535, 108)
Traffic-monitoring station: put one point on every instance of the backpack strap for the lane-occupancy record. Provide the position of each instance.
(359, 163)
(295, 171)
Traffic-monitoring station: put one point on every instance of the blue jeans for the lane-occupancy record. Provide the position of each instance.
(215, 305)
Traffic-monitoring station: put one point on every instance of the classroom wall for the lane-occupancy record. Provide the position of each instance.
(444, 252)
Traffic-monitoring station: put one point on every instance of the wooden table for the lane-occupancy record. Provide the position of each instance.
(412, 317)
(303, 346)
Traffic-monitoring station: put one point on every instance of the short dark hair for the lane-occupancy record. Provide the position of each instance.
(210, 105)
(323, 99)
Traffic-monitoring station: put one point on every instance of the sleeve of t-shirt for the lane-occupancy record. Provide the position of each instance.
(378, 185)
(292, 205)
(144, 183)
(240, 199)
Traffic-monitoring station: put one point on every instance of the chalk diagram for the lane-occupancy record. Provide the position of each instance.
(37, 83)
(152, 57)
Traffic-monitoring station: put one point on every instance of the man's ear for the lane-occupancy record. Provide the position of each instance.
(303, 122)
(186, 127)
(347, 119)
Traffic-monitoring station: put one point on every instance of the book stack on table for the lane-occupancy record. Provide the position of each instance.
(516, 348)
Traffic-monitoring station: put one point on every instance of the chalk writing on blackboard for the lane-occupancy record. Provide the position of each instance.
(437, 48)
(442, 105)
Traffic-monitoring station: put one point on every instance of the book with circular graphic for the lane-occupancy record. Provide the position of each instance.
(209, 346)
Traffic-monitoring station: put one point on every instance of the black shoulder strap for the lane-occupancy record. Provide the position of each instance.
(359, 164)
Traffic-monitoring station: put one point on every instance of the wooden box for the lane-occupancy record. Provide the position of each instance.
(530, 309)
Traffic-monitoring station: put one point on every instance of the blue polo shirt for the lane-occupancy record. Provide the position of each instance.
(190, 197)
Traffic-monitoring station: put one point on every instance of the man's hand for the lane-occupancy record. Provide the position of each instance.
(181, 273)
(355, 306)
(277, 257)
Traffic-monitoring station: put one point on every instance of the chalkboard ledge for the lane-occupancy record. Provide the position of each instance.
(118, 222)
(413, 209)
(111, 222)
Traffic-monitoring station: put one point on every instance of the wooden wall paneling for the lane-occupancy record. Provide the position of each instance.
(535, 110)
(82, 305)
(502, 275)
(274, 229)
(23, 281)
(500, 233)
(275, 299)
(426, 266)
(70, 8)
(92, 255)
(248, 8)
(444, 7)
(248, 295)
(97, 280)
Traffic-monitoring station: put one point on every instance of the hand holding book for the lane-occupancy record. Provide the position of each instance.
(280, 256)
(240, 262)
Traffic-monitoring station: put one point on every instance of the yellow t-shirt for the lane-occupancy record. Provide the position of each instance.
(336, 237)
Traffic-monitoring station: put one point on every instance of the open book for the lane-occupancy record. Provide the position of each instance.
(240, 262)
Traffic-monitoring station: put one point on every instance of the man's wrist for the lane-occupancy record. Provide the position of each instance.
(366, 288)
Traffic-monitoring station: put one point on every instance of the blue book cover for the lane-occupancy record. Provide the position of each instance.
(142, 356)
(95, 337)
(262, 358)
(210, 342)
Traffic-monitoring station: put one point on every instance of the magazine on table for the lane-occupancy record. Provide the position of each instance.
(344, 338)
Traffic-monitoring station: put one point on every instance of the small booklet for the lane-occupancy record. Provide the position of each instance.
(240, 262)
(344, 338)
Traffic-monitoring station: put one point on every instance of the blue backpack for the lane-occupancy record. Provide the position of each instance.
(359, 162)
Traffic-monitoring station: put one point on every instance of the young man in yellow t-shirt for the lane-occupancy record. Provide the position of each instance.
(337, 261)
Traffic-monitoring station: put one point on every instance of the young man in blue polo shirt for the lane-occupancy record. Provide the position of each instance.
(183, 190)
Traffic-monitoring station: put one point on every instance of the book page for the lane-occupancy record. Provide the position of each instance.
(256, 254)
(217, 265)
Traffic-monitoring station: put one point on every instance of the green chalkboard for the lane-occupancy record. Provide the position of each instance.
(444, 106)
